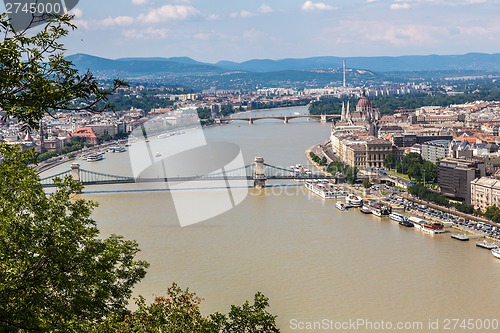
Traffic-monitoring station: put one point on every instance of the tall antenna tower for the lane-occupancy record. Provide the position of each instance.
(345, 70)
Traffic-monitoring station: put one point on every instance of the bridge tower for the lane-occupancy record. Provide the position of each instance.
(323, 118)
(259, 173)
(75, 172)
(285, 120)
(250, 121)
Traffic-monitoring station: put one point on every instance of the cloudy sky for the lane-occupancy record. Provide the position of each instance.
(237, 30)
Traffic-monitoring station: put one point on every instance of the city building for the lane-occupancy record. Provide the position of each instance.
(456, 175)
(460, 149)
(409, 139)
(436, 150)
(365, 118)
(104, 129)
(86, 134)
(363, 153)
(53, 144)
(485, 192)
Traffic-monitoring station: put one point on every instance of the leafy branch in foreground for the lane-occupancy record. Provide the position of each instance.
(179, 312)
(36, 79)
(57, 273)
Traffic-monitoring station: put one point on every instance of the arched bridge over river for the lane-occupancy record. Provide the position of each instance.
(323, 118)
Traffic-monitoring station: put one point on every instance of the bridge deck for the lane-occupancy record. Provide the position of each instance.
(272, 173)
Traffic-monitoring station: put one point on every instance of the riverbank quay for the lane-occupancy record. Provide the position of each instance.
(314, 149)
(58, 160)
(320, 151)
(447, 210)
(354, 189)
(456, 213)
(49, 164)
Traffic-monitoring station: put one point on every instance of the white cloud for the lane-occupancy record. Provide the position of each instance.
(140, 2)
(203, 36)
(399, 5)
(386, 33)
(310, 6)
(265, 9)
(146, 33)
(452, 3)
(242, 14)
(77, 12)
(252, 34)
(116, 21)
(213, 17)
(168, 13)
(108, 22)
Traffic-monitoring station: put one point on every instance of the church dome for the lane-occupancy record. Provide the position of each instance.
(364, 103)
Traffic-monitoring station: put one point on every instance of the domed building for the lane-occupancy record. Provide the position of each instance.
(365, 115)
(365, 109)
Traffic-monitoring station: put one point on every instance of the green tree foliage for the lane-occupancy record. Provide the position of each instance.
(416, 168)
(493, 213)
(326, 106)
(409, 160)
(249, 318)
(390, 161)
(351, 174)
(145, 100)
(335, 167)
(419, 190)
(57, 273)
(226, 110)
(429, 171)
(322, 161)
(464, 208)
(179, 312)
(422, 192)
(389, 104)
(204, 113)
(366, 183)
(36, 79)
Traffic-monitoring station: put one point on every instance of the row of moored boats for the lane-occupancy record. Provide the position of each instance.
(94, 157)
(493, 247)
(327, 190)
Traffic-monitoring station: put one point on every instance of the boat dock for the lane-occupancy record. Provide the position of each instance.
(460, 237)
(465, 237)
(487, 245)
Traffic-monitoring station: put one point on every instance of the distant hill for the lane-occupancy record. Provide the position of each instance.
(181, 60)
(185, 65)
(297, 73)
(130, 67)
(470, 61)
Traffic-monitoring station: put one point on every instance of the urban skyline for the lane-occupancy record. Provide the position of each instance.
(273, 29)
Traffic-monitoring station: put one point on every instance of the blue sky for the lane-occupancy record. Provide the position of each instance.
(237, 30)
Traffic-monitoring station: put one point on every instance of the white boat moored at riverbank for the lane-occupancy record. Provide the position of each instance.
(94, 157)
(353, 200)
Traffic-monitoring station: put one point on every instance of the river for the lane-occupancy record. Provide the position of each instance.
(313, 261)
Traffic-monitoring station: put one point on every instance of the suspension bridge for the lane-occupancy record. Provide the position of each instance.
(258, 172)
